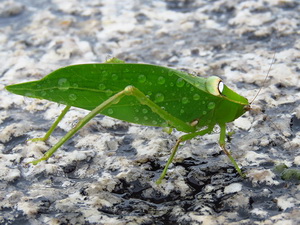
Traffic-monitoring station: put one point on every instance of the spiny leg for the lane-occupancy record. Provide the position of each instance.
(112, 100)
(171, 120)
(54, 125)
(222, 145)
(129, 90)
(175, 148)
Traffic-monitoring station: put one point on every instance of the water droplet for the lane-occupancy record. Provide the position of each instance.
(204, 112)
(136, 119)
(62, 102)
(29, 94)
(142, 78)
(171, 84)
(171, 73)
(164, 124)
(137, 110)
(63, 84)
(184, 100)
(145, 111)
(161, 80)
(43, 93)
(203, 102)
(180, 82)
(211, 105)
(154, 122)
(75, 85)
(116, 101)
(181, 111)
(196, 97)
(109, 92)
(149, 93)
(159, 97)
(72, 97)
(101, 87)
(198, 84)
(110, 111)
(114, 77)
(145, 117)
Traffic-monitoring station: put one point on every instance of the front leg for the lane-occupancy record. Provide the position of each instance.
(223, 147)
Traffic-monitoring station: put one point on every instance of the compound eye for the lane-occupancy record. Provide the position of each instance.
(221, 87)
(214, 85)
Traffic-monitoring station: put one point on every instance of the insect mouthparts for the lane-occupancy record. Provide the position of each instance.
(247, 107)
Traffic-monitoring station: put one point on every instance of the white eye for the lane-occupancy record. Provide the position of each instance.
(220, 86)
(214, 85)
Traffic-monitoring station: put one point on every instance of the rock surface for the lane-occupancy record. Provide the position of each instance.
(106, 173)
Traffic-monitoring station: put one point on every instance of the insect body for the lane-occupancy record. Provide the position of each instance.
(140, 93)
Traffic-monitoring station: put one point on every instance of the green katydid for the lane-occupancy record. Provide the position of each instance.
(140, 93)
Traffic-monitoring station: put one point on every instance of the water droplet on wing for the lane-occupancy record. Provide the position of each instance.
(110, 111)
(109, 92)
(114, 77)
(180, 82)
(63, 84)
(159, 97)
(184, 100)
(161, 80)
(211, 105)
(72, 97)
(142, 78)
(196, 97)
(101, 87)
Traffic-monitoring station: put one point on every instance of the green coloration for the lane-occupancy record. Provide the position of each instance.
(143, 94)
(287, 173)
(291, 174)
(280, 168)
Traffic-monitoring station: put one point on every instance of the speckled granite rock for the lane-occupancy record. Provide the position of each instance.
(106, 173)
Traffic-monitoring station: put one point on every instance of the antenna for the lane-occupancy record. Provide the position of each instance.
(268, 73)
(263, 84)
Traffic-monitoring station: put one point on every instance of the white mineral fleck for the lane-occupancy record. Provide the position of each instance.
(243, 123)
(285, 202)
(297, 160)
(232, 188)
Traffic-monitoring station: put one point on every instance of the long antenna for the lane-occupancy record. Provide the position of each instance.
(268, 73)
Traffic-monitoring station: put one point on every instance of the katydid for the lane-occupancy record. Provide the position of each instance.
(143, 94)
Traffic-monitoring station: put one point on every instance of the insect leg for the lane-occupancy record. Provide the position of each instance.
(129, 90)
(171, 120)
(222, 145)
(112, 100)
(174, 150)
(54, 125)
